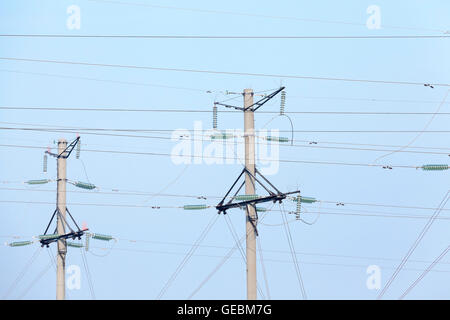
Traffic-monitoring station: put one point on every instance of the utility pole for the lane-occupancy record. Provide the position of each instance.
(250, 219)
(232, 199)
(61, 206)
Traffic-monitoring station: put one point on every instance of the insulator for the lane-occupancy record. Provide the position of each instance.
(195, 207)
(435, 167)
(44, 167)
(84, 185)
(258, 209)
(74, 244)
(20, 243)
(246, 197)
(48, 236)
(277, 139)
(282, 102)
(86, 246)
(215, 117)
(306, 199)
(299, 206)
(78, 149)
(222, 136)
(103, 237)
(41, 181)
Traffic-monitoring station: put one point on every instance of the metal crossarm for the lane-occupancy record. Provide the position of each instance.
(274, 196)
(229, 106)
(67, 151)
(258, 104)
(70, 235)
(261, 102)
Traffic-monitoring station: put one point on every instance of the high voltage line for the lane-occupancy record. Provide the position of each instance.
(208, 91)
(415, 244)
(134, 83)
(227, 158)
(206, 246)
(62, 129)
(218, 37)
(122, 66)
(159, 207)
(256, 15)
(262, 143)
(265, 259)
(205, 197)
(219, 111)
(311, 144)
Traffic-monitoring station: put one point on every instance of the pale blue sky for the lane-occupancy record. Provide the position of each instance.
(140, 274)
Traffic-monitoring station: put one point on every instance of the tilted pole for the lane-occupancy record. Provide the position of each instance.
(61, 205)
(249, 137)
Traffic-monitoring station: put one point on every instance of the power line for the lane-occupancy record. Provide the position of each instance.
(223, 72)
(208, 90)
(205, 197)
(228, 158)
(217, 37)
(22, 272)
(36, 280)
(219, 111)
(352, 265)
(107, 80)
(301, 253)
(256, 15)
(365, 99)
(424, 273)
(159, 207)
(72, 130)
(294, 256)
(414, 245)
(309, 145)
(310, 142)
(187, 257)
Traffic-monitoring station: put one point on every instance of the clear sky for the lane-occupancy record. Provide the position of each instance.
(334, 252)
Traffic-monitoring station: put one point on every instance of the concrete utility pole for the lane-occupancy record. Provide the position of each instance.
(61, 205)
(249, 137)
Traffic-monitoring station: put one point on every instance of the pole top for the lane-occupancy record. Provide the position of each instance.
(62, 140)
(248, 91)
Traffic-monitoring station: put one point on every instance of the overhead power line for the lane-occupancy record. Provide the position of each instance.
(133, 83)
(228, 158)
(208, 91)
(309, 142)
(219, 37)
(159, 207)
(229, 73)
(257, 15)
(79, 130)
(424, 273)
(314, 145)
(115, 191)
(93, 109)
(415, 244)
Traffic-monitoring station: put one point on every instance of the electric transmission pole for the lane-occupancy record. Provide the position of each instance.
(61, 206)
(252, 176)
(250, 221)
(63, 230)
